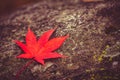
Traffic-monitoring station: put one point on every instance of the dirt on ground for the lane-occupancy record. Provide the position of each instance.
(93, 46)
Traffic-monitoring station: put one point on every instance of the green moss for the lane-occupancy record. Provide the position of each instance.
(104, 52)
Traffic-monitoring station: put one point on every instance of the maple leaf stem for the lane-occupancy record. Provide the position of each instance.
(23, 68)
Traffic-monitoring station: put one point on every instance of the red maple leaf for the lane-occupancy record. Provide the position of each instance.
(40, 49)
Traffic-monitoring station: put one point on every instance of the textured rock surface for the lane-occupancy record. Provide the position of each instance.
(93, 48)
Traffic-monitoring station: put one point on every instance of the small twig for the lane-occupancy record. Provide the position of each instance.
(23, 68)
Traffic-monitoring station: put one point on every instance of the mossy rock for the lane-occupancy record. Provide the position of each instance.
(93, 47)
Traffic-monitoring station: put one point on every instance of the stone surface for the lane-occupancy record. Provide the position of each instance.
(93, 48)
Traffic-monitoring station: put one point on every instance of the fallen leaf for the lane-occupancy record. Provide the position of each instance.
(41, 49)
(92, 0)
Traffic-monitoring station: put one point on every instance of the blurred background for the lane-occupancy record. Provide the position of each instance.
(6, 6)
